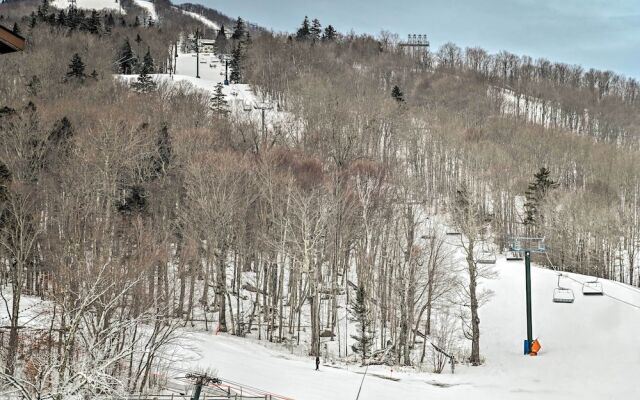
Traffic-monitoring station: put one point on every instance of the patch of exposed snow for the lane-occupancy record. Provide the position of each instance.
(148, 6)
(202, 19)
(89, 4)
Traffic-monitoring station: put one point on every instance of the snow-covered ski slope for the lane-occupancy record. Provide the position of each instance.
(588, 352)
(148, 6)
(89, 4)
(206, 21)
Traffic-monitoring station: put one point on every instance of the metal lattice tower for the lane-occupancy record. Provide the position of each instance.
(416, 45)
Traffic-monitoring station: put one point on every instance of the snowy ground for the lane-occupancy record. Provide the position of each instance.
(587, 352)
(149, 7)
(89, 4)
(202, 19)
(241, 98)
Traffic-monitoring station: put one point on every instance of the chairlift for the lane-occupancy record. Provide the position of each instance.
(246, 106)
(562, 294)
(514, 256)
(453, 233)
(592, 288)
(486, 257)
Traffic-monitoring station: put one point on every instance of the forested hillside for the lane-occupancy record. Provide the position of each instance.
(132, 210)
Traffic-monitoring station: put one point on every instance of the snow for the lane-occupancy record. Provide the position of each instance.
(149, 7)
(202, 19)
(586, 352)
(89, 4)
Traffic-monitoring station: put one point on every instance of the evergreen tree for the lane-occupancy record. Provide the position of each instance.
(221, 41)
(76, 68)
(62, 133)
(136, 22)
(109, 21)
(316, 30)
(362, 315)
(397, 94)
(218, 102)
(33, 20)
(93, 24)
(236, 63)
(144, 83)
(61, 19)
(304, 31)
(16, 28)
(134, 202)
(163, 158)
(240, 30)
(329, 34)
(126, 59)
(535, 195)
(151, 23)
(34, 85)
(43, 10)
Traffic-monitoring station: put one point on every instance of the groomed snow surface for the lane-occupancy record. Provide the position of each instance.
(148, 7)
(89, 4)
(588, 352)
(202, 19)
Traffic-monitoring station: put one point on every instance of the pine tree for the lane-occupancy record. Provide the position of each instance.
(43, 10)
(109, 21)
(221, 41)
(330, 34)
(362, 315)
(33, 20)
(218, 102)
(126, 59)
(93, 24)
(236, 63)
(304, 31)
(163, 158)
(316, 30)
(61, 19)
(136, 22)
(535, 195)
(144, 83)
(151, 23)
(397, 94)
(34, 85)
(240, 30)
(135, 201)
(76, 68)
(62, 132)
(16, 28)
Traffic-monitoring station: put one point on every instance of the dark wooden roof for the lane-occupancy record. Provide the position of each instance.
(9, 41)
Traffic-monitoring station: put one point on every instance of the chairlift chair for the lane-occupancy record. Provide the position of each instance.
(514, 256)
(562, 294)
(592, 288)
(486, 257)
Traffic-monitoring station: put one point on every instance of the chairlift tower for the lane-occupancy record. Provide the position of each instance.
(197, 37)
(528, 245)
(416, 45)
(263, 106)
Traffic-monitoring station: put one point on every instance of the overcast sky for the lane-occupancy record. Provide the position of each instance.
(603, 34)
